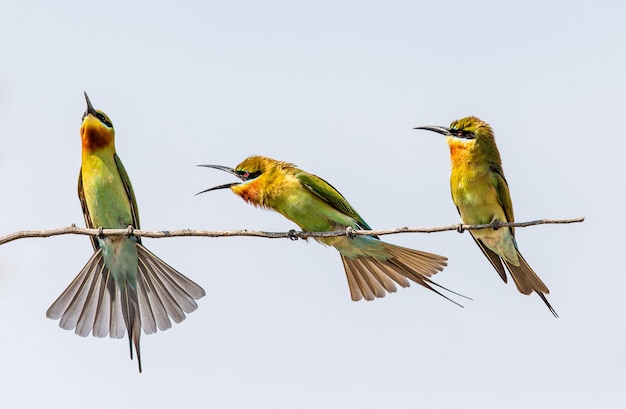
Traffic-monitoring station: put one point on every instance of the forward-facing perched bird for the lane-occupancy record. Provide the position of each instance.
(481, 195)
(372, 266)
(123, 286)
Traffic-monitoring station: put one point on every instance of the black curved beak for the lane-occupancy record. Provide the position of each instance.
(90, 108)
(439, 129)
(225, 169)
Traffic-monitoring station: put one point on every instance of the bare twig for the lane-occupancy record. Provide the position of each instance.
(73, 229)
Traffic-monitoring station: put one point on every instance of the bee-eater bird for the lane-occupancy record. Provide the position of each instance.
(372, 266)
(481, 195)
(123, 286)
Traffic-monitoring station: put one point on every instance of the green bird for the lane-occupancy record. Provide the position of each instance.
(481, 195)
(123, 287)
(373, 267)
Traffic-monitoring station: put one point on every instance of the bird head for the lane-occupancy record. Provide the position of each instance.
(468, 137)
(465, 129)
(253, 172)
(96, 130)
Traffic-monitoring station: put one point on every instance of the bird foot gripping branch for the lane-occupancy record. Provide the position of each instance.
(293, 235)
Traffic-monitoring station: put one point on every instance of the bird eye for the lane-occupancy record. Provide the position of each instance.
(463, 133)
(245, 175)
(104, 119)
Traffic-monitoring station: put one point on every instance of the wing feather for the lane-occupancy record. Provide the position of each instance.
(330, 195)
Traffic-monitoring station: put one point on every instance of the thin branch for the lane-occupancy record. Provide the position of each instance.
(292, 234)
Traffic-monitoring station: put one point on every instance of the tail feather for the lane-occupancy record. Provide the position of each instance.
(545, 300)
(117, 327)
(385, 272)
(370, 277)
(171, 275)
(427, 282)
(108, 310)
(70, 304)
(367, 279)
(528, 281)
(428, 264)
(359, 266)
(351, 270)
(169, 292)
(94, 302)
(132, 319)
(384, 279)
(369, 290)
(147, 306)
(86, 319)
(525, 279)
(156, 296)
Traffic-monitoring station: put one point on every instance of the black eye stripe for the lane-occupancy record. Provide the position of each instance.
(462, 133)
(102, 118)
(245, 175)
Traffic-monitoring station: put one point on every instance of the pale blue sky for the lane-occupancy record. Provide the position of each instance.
(335, 87)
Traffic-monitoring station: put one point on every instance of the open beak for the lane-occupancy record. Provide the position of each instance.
(225, 169)
(439, 129)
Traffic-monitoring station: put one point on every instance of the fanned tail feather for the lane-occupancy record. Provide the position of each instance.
(132, 319)
(82, 304)
(94, 302)
(370, 277)
(165, 292)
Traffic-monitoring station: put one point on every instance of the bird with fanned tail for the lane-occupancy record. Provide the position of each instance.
(123, 288)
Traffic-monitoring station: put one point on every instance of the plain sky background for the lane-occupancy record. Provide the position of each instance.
(335, 87)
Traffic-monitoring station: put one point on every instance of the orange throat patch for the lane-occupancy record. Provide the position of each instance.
(95, 139)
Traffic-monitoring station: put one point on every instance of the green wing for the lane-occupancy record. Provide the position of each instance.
(83, 204)
(129, 192)
(330, 195)
(502, 188)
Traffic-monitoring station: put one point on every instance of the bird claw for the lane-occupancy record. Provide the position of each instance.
(130, 230)
(292, 235)
(350, 232)
(495, 225)
(100, 233)
(460, 228)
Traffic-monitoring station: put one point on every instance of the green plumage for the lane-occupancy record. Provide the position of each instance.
(123, 287)
(481, 195)
(373, 267)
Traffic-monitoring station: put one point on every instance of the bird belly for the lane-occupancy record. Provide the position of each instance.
(478, 205)
(314, 215)
(105, 196)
